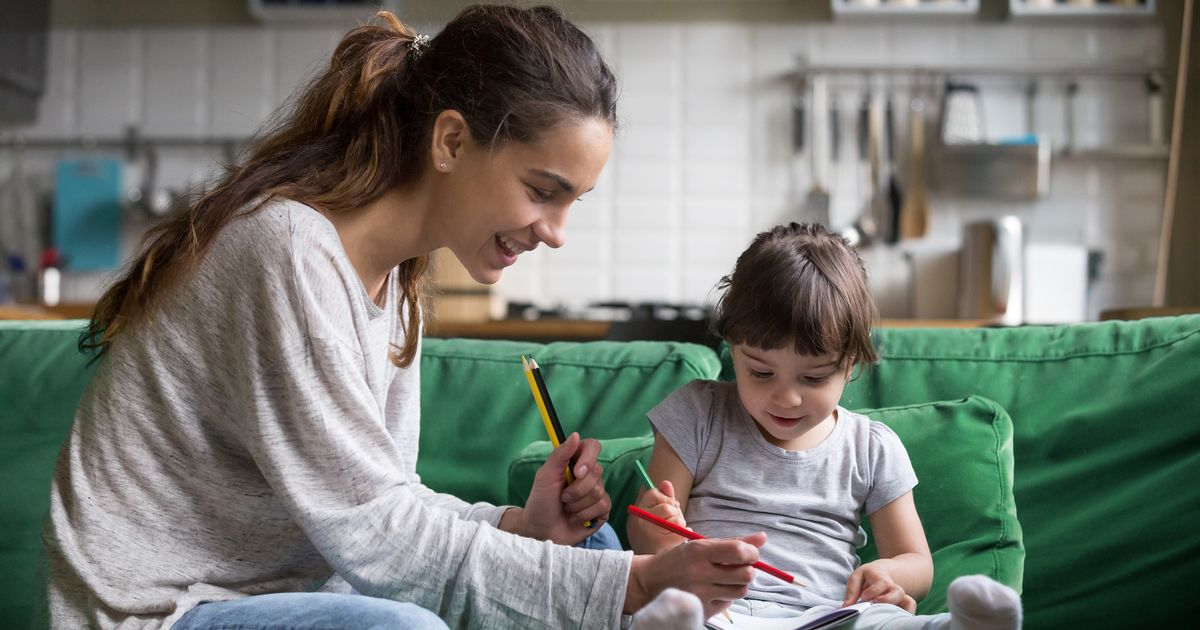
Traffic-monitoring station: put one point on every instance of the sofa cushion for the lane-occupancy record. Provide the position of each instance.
(961, 451)
(478, 413)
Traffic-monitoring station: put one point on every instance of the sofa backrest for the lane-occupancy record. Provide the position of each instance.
(477, 414)
(1106, 420)
(41, 378)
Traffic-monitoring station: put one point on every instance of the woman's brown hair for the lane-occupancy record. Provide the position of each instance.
(362, 127)
(801, 285)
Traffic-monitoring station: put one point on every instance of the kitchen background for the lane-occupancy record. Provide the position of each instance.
(1046, 130)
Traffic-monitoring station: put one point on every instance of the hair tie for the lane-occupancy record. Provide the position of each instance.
(417, 46)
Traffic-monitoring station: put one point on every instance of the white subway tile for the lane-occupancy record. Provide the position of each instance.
(850, 45)
(700, 282)
(176, 82)
(710, 142)
(644, 283)
(1063, 44)
(1130, 44)
(110, 81)
(583, 247)
(720, 104)
(593, 211)
(923, 45)
(710, 248)
(647, 56)
(636, 246)
(999, 45)
(524, 281)
(58, 109)
(577, 286)
(644, 178)
(646, 211)
(300, 53)
(711, 211)
(646, 142)
(716, 178)
(242, 94)
(777, 49)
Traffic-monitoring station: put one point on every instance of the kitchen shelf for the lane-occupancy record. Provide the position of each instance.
(1119, 152)
(894, 8)
(1023, 9)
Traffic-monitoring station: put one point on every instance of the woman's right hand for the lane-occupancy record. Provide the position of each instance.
(718, 571)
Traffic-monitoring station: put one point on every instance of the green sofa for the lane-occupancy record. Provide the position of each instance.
(1089, 434)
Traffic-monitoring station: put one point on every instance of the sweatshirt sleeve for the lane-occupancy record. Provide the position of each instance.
(403, 420)
(317, 434)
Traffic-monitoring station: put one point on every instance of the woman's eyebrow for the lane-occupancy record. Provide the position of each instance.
(562, 182)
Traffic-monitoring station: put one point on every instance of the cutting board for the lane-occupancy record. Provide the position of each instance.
(86, 222)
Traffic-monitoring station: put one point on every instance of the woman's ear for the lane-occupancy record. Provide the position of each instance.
(450, 134)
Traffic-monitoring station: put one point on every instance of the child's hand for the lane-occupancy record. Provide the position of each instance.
(872, 583)
(647, 538)
(661, 502)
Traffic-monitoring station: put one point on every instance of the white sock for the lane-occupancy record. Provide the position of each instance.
(673, 609)
(978, 602)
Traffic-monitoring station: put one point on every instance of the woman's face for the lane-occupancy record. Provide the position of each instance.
(507, 200)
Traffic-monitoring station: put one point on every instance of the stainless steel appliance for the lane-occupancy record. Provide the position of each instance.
(991, 272)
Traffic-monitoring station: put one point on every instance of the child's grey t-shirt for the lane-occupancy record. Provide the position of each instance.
(809, 503)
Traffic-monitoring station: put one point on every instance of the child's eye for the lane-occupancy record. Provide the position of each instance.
(762, 375)
(816, 380)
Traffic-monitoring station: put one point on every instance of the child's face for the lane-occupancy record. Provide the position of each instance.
(788, 393)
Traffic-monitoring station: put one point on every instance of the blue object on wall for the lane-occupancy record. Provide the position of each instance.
(87, 212)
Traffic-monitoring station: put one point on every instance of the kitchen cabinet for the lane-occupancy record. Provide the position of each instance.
(23, 32)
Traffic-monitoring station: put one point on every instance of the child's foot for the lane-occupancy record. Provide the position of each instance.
(673, 609)
(978, 602)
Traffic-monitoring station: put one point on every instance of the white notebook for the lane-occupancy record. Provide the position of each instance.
(830, 619)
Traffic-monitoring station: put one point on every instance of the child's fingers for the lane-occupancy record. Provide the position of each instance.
(668, 512)
(878, 589)
(853, 588)
(667, 489)
(650, 498)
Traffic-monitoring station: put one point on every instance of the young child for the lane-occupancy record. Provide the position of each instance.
(774, 452)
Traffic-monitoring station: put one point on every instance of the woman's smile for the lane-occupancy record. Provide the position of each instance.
(509, 250)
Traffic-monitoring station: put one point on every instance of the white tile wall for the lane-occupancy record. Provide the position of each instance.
(704, 158)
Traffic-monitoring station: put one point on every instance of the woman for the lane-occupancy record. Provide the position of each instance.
(245, 453)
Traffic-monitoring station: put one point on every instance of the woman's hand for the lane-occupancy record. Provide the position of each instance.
(718, 571)
(648, 538)
(873, 583)
(557, 512)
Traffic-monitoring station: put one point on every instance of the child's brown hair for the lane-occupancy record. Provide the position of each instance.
(799, 284)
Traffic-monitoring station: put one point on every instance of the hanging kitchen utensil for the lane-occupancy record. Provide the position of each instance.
(863, 229)
(845, 207)
(1154, 118)
(816, 203)
(1069, 116)
(895, 196)
(962, 117)
(914, 214)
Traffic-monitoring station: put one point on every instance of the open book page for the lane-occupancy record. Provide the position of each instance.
(741, 621)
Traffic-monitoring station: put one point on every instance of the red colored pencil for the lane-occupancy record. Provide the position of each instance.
(687, 533)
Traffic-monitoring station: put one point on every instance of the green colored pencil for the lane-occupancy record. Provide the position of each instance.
(645, 475)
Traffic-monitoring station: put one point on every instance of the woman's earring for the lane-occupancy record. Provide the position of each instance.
(442, 166)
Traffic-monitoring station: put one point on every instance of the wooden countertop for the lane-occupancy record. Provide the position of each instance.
(549, 328)
(581, 330)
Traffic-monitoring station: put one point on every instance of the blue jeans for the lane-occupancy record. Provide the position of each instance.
(320, 611)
